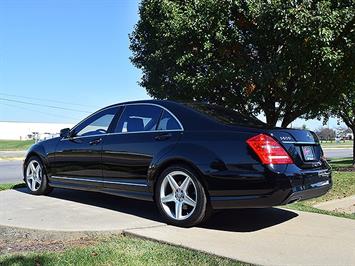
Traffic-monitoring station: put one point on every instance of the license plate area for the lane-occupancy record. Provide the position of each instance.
(308, 153)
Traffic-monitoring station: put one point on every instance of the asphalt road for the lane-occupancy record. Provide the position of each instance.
(338, 153)
(10, 171)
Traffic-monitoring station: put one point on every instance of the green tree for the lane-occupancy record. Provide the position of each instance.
(346, 110)
(287, 59)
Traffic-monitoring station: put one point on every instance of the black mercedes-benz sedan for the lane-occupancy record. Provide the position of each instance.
(189, 158)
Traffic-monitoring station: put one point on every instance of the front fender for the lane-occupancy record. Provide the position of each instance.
(35, 150)
(45, 150)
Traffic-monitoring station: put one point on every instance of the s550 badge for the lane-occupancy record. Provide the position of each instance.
(285, 138)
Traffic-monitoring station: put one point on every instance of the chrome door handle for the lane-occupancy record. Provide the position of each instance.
(95, 142)
(163, 136)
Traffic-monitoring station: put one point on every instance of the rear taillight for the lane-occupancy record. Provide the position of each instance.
(269, 150)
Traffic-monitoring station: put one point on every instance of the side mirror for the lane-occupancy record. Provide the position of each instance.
(65, 133)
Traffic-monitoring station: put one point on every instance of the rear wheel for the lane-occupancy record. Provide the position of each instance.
(180, 197)
(36, 178)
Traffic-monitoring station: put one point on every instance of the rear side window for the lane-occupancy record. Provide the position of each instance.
(138, 118)
(225, 115)
(168, 122)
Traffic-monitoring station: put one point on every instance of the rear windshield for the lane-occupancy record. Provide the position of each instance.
(225, 115)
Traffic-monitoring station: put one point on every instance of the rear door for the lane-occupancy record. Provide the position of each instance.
(143, 132)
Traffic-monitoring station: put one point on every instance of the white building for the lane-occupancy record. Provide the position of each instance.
(23, 131)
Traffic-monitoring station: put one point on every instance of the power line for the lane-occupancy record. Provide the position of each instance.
(45, 113)
(44, 105)
(42, 99)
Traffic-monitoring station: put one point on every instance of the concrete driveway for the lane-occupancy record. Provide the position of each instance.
(68, 210)
(262, 236)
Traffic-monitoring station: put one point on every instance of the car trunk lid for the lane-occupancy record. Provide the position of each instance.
(302, 145)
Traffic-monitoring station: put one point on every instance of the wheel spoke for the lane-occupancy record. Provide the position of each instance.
(38, 171)
(168, 198)
(172, 182)
(33, 168)
(178, 210)
(33, 185)
(189, 201)
(185, 184)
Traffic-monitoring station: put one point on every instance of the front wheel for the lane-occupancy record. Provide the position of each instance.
(180, 197)
(35, 177)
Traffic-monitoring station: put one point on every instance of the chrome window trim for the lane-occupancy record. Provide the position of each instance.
(87, 118)
(162, 107)
(300, 142)
(99, 181)
(123, 133)
(116, 133)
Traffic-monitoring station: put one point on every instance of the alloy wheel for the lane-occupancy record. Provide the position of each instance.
(34, 175)
(178, 195)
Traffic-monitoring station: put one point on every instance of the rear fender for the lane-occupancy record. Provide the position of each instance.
(189, 154)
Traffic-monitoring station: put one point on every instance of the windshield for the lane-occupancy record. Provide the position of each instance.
(226, 116)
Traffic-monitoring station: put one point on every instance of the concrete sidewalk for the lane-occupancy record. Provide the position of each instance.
(308, 239)
(346, 205)
(261, 236)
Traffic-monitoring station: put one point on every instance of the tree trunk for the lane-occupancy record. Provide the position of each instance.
(353, 130)
(286, 122)
(271, 119)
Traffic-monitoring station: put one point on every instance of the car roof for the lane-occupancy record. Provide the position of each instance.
(188, 117)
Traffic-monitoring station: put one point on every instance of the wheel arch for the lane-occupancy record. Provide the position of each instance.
(34, 153)
(156, 172)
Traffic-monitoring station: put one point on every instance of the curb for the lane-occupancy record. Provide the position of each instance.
(12, 159)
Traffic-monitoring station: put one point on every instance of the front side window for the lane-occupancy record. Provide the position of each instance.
(168, 122)
(138, 118)
(97, 124)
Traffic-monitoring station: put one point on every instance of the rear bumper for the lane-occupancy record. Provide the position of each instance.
(280, 196)
(317, 190)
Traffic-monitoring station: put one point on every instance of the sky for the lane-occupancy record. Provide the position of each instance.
(60, 52)
(62, 60)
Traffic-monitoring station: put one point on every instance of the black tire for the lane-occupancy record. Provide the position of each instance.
(202, 208)
(43, 188)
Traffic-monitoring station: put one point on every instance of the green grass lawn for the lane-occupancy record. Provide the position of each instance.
(340, 163)
(333, 144)
(15, 145)
(11, 186)
(121, 250)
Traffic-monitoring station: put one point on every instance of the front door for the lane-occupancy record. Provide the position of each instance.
(78, 157)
